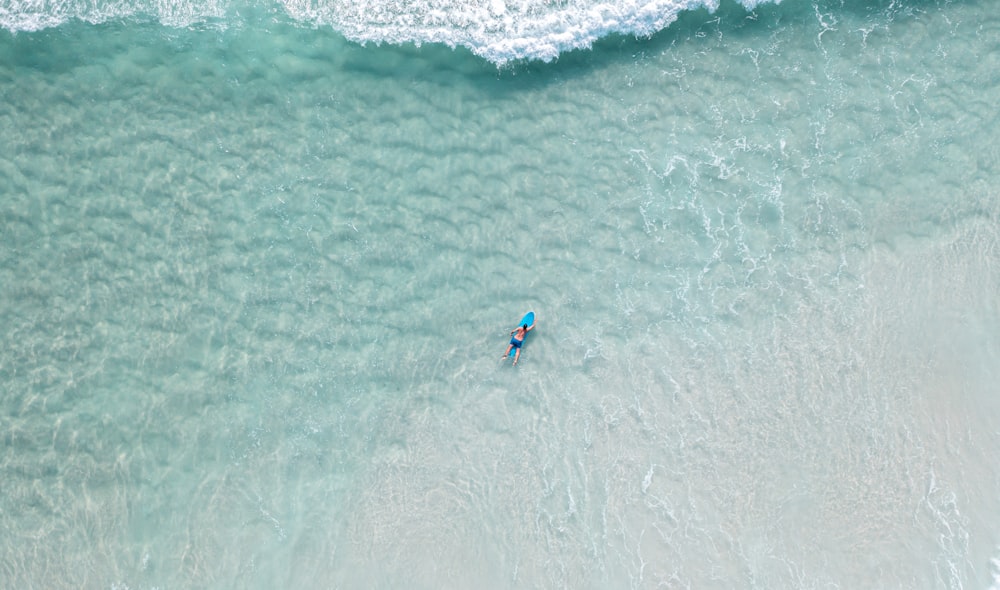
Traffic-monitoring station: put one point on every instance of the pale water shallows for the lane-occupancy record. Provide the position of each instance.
(256, 279)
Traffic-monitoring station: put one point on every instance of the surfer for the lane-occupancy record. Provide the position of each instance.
(517, 339)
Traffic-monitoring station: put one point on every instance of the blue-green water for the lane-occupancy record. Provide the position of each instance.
(256, 279)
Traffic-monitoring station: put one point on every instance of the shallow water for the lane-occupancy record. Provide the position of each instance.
(256, 280)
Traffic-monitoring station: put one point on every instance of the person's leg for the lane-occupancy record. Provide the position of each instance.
(507, 352)
(517, 354)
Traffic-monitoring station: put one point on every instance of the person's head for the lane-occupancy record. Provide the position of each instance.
(524, 327)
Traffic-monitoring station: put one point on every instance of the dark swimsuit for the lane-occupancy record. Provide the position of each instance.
(517, 343)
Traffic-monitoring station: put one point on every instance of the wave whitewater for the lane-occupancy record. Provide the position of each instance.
(499, 31)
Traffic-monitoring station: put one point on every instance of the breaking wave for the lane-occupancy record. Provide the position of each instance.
(500, 31)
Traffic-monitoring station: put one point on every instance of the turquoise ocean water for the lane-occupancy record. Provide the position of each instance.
(258, 264)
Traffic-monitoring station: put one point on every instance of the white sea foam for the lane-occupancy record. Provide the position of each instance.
(497, 30)
(995, 571)
(18, 16)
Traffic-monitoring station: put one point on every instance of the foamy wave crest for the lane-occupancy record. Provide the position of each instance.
(995, 567)
(497, 30)
(35, 15)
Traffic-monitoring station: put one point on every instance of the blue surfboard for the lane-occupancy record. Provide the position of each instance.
(529, 320)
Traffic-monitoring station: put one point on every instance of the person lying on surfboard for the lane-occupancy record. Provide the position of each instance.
(517, 339)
